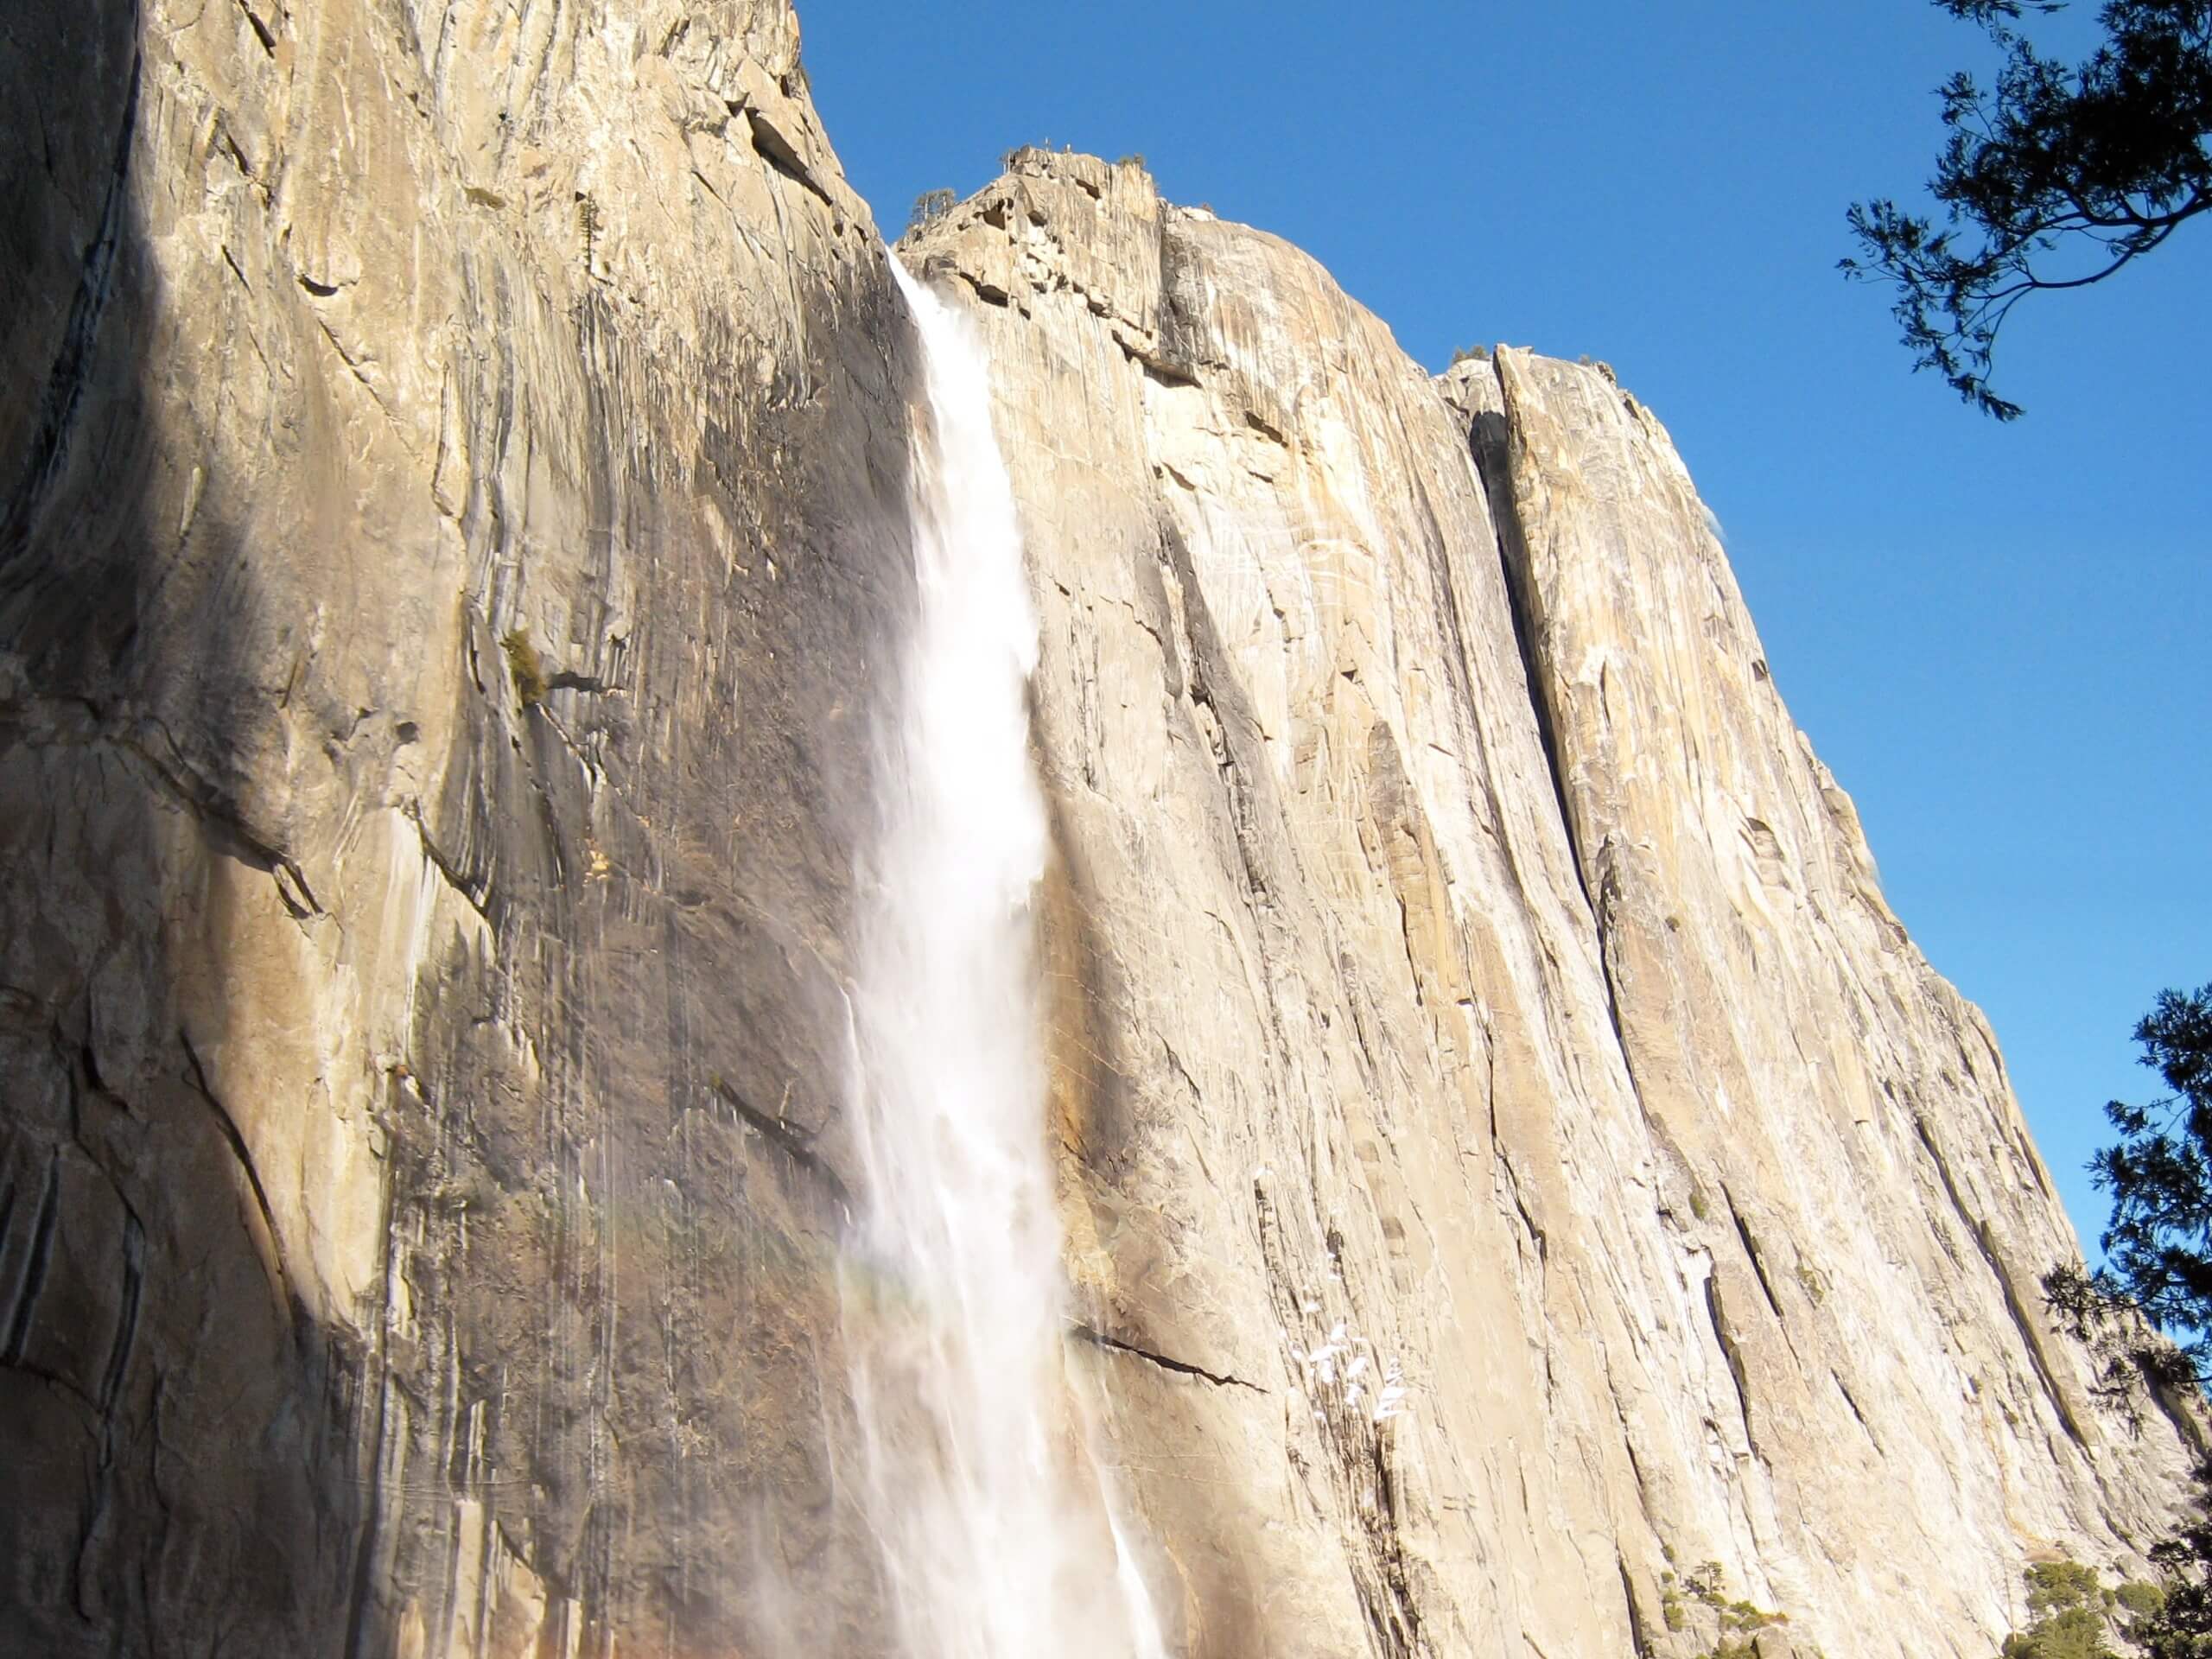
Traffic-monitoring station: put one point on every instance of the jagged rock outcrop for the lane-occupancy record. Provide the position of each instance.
(453, 524)
(1475, 959)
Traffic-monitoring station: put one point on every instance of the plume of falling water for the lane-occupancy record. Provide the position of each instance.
(997, 1528)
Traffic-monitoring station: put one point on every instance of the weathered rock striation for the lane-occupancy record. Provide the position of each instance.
(454, 504)
(453, 529)
(1466, 953)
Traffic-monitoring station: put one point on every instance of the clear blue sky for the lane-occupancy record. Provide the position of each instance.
(1993, 634)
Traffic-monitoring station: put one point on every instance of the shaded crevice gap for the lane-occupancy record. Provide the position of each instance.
(1752, 1253)
(1639, 1633)
(476, 895)
(262, 32)
(1979, 1231)
(34, 1280)
(989, 293)
(794, 1141)
(1213, 688)
(1162, 371)
(1852, 1399)
(1520, 1205)
(370, 1558)
(1716, 1312)
(235, 1140)
(1457, 657)
(1098, 1338)
(1601, 924)
(73, 365)
(780, 154)
(2179, 1406)
(1489, 439)
(1628, 1445)
(75, 1058)
(39, 720)
(126, 1323)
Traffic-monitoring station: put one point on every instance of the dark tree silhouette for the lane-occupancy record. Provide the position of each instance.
(929, 205)
(2157, 1273)
(2182, 1627)
(2055, 177)
(2158, 1244)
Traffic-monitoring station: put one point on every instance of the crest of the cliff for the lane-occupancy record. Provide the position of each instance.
(1498, 999)
(451, 501)
(1526, 1192)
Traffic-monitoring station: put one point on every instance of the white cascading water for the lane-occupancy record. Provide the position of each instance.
(996, 1526)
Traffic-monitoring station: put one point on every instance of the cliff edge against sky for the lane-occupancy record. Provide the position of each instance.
(1492, 969)
(455, 525)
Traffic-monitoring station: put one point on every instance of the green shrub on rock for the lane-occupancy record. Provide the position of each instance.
(526, 666)
(2066, 1613)
(2141, 1598)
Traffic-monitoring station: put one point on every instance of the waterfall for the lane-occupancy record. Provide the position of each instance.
(997, 1527)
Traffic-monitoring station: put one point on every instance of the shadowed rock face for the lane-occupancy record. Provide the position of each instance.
(453, 507)
(452, 529)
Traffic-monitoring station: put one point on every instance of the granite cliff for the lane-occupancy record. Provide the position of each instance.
(454, 525)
